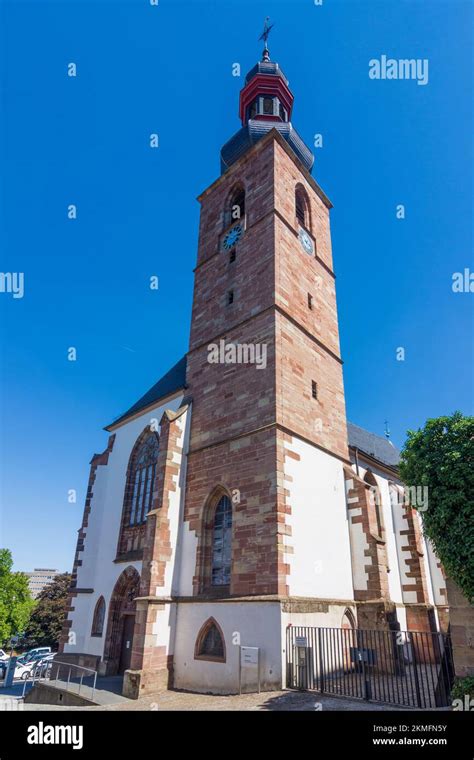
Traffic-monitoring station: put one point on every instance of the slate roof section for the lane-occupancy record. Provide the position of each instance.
(253, 131)
(173, 381)
(266, 67)
(374, 445)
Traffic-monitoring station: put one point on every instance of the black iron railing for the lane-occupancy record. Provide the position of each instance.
(411, 669)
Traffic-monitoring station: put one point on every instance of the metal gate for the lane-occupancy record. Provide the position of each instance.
(411, 669)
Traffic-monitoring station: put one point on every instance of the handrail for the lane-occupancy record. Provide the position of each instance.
(47, 667)
(71, 664)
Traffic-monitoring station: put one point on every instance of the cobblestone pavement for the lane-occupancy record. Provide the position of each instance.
(268, 701)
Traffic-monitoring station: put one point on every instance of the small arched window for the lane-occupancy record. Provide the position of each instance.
(99, 617)
(377, 500)
(210, 643)
(302, 207)
(142, 479)
(222, 543)
(348, 620)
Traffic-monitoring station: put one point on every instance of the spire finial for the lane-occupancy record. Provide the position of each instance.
(264, 36)
(387, 430)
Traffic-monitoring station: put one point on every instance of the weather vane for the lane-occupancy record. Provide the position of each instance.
(264, 36)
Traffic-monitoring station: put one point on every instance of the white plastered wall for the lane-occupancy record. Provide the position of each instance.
(320, 564)
(391, 520)
(256, 624)
(98, 570)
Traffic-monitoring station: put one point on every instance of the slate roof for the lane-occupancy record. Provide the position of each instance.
(374, 445)
(174, 380)
(266, 67)
(253, 131)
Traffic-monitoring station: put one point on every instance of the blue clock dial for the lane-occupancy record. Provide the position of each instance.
(233, 236)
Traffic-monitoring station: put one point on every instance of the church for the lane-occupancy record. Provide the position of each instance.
(234, 501)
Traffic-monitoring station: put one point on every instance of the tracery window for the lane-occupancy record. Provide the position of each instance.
(142, 479)
(222, 543)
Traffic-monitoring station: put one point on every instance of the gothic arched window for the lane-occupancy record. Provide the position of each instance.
(142, 478)
(99, 617)
(222, 543)
(138, 495)
(210, 643)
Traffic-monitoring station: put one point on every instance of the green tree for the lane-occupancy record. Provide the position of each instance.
(46, 622)
(16, 601)
(441, 456)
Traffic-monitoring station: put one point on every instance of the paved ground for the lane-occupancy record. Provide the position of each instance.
(278, 700)
(177, 700)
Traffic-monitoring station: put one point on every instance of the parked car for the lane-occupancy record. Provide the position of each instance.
(22, 670)
(3, 655)
(32, 653)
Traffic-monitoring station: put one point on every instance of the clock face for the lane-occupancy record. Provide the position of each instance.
(233, 236)
(306, 241)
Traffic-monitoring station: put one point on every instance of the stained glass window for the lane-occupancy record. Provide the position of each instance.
(222, 543)
(142, 478)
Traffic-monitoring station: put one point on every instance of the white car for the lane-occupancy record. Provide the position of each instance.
(3, 655)
(23, 670)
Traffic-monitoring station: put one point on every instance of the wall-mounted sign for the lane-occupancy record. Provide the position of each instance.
(249, 656)
(301, 641)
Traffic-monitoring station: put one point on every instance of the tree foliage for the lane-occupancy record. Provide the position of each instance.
(46, 622)
(441, 456)
(16, 601)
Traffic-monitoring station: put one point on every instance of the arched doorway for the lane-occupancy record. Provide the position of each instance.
(121, 622)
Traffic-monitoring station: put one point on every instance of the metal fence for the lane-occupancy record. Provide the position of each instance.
(411, 669)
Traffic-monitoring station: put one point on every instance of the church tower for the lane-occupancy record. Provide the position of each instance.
(264, 372)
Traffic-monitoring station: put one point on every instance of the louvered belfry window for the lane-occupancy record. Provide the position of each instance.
(300, 208)
(143, 478)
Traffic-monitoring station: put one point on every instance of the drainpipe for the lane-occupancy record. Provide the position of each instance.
(357, 459)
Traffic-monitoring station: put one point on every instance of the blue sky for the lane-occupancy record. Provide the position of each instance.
(84, 140)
